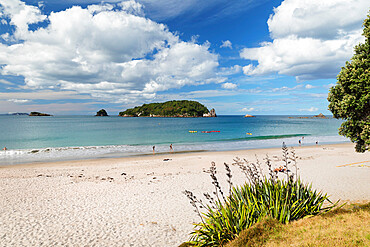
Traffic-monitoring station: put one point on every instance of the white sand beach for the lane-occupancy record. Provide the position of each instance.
(138, 201)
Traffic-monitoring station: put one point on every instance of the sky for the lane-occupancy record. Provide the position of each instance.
(259, 57)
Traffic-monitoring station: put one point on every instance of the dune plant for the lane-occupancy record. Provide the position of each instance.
(284, 198)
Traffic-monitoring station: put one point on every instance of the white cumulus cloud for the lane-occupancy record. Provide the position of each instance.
(246, 109)
(311, 39)
(229, 85)
(107, 52)
(226, 44)
(312, 109)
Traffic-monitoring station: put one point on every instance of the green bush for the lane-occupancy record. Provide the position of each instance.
(284, 199)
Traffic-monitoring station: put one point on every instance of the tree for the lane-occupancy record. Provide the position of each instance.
(349, 99)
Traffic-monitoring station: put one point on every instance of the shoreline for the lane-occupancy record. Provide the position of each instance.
(138, 201)
(159, 154)
(74, 153)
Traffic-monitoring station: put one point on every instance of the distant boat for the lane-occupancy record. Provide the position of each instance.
(247, 115)
(193, 131)
(249, 133)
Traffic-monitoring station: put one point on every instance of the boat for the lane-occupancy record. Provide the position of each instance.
(193, 131)
(249, 133)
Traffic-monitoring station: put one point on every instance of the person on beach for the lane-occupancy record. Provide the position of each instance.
(317, 142)
(299, 142)
(153, 150)
(5, 149)
(171, 150)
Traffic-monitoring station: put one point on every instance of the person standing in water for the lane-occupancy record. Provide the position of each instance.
(153, 150)
(171, 149)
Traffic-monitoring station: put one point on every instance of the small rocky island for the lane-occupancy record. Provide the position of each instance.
(174, 108)
(102, 113)
(247, 115)
(316, 116)
(39, 114)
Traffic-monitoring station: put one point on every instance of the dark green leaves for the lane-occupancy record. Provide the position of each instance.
(350, 98)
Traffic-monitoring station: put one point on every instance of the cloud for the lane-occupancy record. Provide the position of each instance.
(329, 85)
(226, 44)
(309, 40)
(183, 10)
(229, 85)
(286, 89)
(19, 100)
(43, 95)
(21, 15)
(324, 20)
(2, 81)
(312, 109)
(108, 53)
(309, 86)
(64, 108)
(192, 9)
(246, 109)
(225, 71)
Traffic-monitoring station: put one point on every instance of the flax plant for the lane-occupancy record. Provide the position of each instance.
(285, 199)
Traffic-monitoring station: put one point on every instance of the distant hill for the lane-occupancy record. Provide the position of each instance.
(17, 114)
(175, 108)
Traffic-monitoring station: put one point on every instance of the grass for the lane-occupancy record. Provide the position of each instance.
(347, 226)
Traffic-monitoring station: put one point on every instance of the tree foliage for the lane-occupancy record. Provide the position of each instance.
(349, 99)
(175, 108)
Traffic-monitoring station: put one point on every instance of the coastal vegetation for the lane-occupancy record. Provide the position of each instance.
(349, 99)
(175, 108)
(281, 196)
(34, 113)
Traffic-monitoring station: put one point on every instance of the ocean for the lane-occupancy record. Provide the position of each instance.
(56, 138)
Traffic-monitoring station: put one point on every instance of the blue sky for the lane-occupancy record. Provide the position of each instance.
(243, 56)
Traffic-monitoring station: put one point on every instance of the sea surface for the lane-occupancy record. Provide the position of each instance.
(43, 139)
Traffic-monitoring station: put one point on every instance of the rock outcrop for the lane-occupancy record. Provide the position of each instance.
(320, 116)
(211, 113)
(39, 114)
(101, 113)
(316, 116)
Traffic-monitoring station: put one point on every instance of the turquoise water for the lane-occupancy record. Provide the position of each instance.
(30, 139)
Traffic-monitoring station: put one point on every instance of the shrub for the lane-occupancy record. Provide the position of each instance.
(284, 199)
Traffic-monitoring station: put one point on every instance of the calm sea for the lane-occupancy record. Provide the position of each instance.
(35, 139)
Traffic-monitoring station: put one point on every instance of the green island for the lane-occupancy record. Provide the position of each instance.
(174, 108)
(39, 114)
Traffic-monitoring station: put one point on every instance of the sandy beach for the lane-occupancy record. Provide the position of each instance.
(138, 201)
